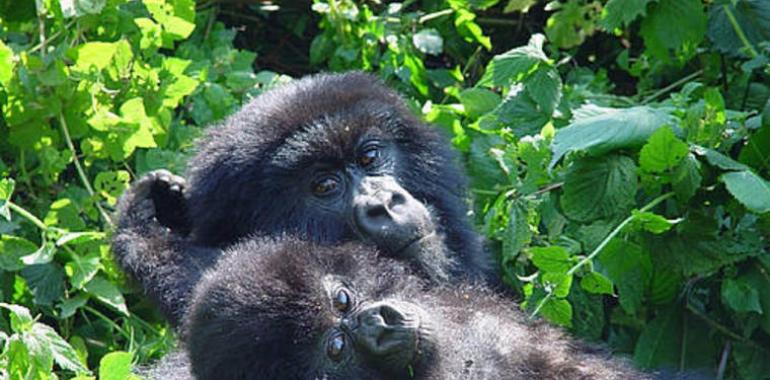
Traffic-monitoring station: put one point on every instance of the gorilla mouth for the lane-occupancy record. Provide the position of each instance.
(413, 247)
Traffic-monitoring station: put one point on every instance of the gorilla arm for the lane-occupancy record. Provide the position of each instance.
(164, 262)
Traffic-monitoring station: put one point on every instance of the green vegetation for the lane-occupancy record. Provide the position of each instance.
(619, 152)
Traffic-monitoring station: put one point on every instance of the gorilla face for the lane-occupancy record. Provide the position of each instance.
(333, 158)
(288, 309)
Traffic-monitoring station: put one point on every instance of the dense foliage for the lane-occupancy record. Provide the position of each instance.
(619, 152)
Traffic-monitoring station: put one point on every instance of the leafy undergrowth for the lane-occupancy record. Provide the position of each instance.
(618, 152)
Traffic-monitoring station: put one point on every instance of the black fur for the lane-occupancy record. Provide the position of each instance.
(263, 312)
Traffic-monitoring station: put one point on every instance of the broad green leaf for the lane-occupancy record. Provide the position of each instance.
(674, 27)
(6, 64)
(544, 87)
(478, 101)
(428, 41)
(510, 66)
(621, 13)
(756, 152)
(517, 112)
(21, 319)
(468, 28)
(81, 269)
(750, 362)
(107, 293)
(63, 213)
(43, 255)
(572, 22)
(552, 259)
(558, 311)
(630, 269)
(665, 285)
(63, 354)
(752, 16)
(597, 188)
(93, 54)
(517, 232)
(46, 282)
(594, 282)
(662, 152)
(70, 306)
(115, 366)
(718, 159)
(749, 189)
(6, 191)
(660, 340)
(686, 179)
(607, 129)
(12, 249)
(740, 295)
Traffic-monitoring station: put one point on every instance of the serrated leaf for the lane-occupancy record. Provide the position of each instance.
(63, 354)
(81, 269)
(686, 178)
(630, 269)
(598, 188)
(662, 152)
(13, 248)
(553, 259)
(660, 340)
(7, 64)
(115, 366)
(607, 129)
(544, 87)
(43, 255)
(740, 295)
(508, 67)
(749, 189)
(718, 159)
(93, 54)
(558, 311)
(428, 41)
(21, 319)
(594, 282)
(620, 13)
(46, 282)
(107, 293)
(752, 16)
(478, 101)
(651, 222)
(674, 26)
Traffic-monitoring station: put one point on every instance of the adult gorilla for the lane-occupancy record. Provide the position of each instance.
(329, 158)
(288, 309)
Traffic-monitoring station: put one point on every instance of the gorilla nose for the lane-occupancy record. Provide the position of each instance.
(381, 330)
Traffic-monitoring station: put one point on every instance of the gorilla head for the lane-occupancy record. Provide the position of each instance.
(333, 158)
(293, 310)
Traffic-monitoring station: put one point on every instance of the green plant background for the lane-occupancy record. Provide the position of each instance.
(619, 153)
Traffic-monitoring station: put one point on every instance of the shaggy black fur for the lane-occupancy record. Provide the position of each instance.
(268, 311)
(256, 173)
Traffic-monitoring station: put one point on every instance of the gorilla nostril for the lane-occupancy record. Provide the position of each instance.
(391, 316)
(397, 199)
(376, 211)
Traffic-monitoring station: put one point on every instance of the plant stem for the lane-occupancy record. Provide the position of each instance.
(435, 15)
(739, 31)
(27, 215)
(672, 86)
(603, 244)
(81, 172)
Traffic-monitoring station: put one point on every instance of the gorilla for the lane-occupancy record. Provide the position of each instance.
(329, 158)
(286, 308)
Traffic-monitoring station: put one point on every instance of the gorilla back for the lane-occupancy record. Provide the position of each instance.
(332, 158)
(288, 309)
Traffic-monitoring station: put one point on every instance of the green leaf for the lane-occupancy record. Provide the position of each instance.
(63, 354)
(660, 340)
(7, 64)
(81, 269)
(70, 306)
(662, 152)
(572, 22)
(6, 191)
(752, 16)
(517, 112)
(630, 268)
(621, 13)
(544, 86)
(598, 188)
(749, 189)
(510, 66)
(718, 159)
(115, 366)
(517, 232)
(594, 282)
(428, 41)
(93, 54)
(21, 319)
(674, 27)
(552, 259)
(651, 222)
(46, 282)
(558, 311)
(740, 295)
(76, 238)
(601, 130)
(13, 248)
(107, 293)
(686, 178)
(478, 101)
(43, 255)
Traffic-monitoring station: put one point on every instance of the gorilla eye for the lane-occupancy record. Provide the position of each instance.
(324, 186)
(341, 300)
(334, 346)
(369, 156)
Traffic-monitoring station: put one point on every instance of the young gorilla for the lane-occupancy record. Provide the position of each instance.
(288, 309)
(329, 158)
